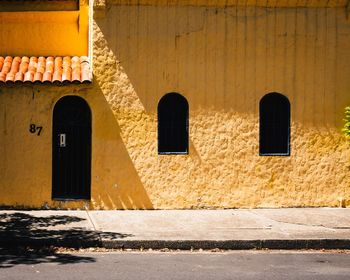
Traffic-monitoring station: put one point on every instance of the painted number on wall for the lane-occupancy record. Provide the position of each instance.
(33, 128)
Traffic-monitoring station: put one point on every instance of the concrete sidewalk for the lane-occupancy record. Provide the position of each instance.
(295, 228)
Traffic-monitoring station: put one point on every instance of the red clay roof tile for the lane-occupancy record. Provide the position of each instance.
(47, 77)
(57, 77)
(10, 77)
(19, 77)
(2, 59)
(38, 77)
(28, 77)
(46, 70)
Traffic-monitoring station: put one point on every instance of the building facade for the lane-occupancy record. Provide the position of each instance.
(256, 90)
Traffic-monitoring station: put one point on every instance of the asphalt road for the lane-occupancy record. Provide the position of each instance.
(272, 265)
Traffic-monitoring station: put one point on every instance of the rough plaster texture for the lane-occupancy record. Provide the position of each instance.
(223, 60)
(226, 3)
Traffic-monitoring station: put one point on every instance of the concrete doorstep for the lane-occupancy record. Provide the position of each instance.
(294, 228)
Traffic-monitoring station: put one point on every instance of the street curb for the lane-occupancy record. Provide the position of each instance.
(228, 244)
(277, 244)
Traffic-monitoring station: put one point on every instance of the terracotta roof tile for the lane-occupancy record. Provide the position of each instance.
(2, 59)
(57, 70)
(19, 77)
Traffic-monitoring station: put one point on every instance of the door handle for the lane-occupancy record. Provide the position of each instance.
(62, 137)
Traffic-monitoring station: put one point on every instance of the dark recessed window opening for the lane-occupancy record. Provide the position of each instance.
(173, 124)
(274, 125)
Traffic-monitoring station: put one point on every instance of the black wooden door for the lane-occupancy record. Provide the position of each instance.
(71, 149)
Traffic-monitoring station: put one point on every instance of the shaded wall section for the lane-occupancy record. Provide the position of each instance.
(44, 33)
(26, 158)
(223, 60)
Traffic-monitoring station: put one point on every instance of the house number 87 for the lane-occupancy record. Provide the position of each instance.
(35, 129)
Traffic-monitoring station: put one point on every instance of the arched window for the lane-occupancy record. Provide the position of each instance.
(173, 124)
(274, 125)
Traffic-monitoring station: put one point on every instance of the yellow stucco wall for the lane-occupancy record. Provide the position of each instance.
(227, 3)
(25, 165)
(46, 33)
(223, 60)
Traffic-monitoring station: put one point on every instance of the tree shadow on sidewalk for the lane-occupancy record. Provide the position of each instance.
(28, 239)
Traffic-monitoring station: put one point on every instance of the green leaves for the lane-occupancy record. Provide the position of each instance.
(346, 128)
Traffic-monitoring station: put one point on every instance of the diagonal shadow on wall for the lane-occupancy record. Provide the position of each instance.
(116, 180)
